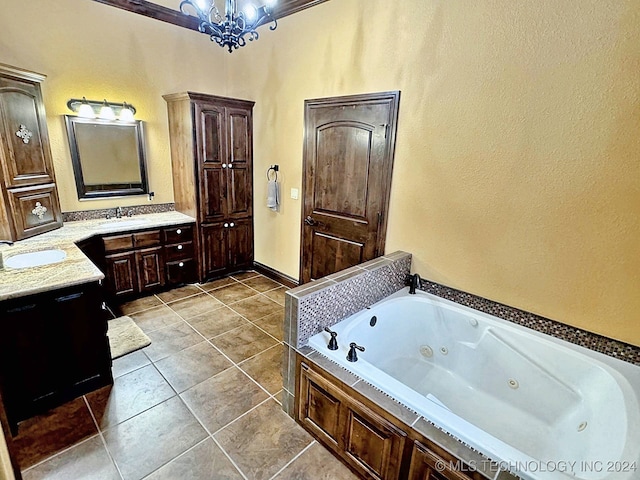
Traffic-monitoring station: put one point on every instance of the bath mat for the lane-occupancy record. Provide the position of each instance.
(125, 337)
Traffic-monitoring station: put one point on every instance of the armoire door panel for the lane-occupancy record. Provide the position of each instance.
(214, 249)
(26, 143)
(239, 125)
(211, 135)
(240, 243)
(239, 192)
(213, 193)
(35, 210)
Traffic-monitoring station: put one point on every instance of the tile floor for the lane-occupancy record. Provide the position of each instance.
(201, 402)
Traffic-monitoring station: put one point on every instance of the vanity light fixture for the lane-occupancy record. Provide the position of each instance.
(229, 30)
(102, 109)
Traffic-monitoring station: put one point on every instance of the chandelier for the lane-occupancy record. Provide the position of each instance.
(233, 28)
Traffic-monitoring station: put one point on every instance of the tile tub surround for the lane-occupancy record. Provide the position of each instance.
(101, 213)
(76, 268)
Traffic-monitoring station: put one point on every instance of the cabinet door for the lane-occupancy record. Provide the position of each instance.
(35, 210)
(24, 138)
(240, 243)
(374, 444)
(121, 273)
(150, 268)
(239, 168)
(427, 465)
(212, 162)
(213, 245)
(319, 407)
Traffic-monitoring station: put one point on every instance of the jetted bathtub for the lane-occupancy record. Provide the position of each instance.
(536, 405)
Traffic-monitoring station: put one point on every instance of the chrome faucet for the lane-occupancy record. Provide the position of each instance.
(119, 212)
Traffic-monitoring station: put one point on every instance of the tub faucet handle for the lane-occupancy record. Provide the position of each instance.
(414, 282)
(333, 343)
(352, 356)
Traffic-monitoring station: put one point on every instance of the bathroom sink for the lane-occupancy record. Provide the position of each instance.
(35, 259)
(123, 224)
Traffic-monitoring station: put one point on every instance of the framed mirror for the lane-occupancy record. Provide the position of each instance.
(108, 157)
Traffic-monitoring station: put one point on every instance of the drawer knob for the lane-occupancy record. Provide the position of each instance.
(178, 231)
(179, 247)
(224, 165)
(181, 264)
(226, 225)
(232, 224)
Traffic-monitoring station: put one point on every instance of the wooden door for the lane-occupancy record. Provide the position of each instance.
(121, 273)
(240, 243)
(150, 268)
(213, 244)
(348, 162)
(211, 153)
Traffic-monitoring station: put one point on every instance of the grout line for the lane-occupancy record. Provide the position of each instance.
(229, 457)
(61, 452)
(176, 457)
(104, 442)
(242, 415)
(293, 459)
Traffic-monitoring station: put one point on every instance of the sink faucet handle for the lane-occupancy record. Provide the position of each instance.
(333, 343)
(352, 356)
(6, 242)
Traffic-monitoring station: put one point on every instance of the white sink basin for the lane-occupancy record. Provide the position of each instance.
(122, 224)
(35, 259)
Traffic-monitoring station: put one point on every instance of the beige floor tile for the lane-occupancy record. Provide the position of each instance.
(243, 342)
(233, 293)
(217, 322)
(266, 369)
(272, 324)
(147, 441)
(155, 318)
(130, 394)
(88, 460)
(245, 275)
(140, 304)
(178, 293)
(49, 433)
(316, 463)
(214, 284)
(277, 295)
(221, 399)
(195, 305)
(129, 363)
(254, 308)
(192, 366)
(261, 284)
(263, 441)
(205, 461)
(170, 340)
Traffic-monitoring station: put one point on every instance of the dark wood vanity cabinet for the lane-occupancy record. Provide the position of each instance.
(144, 261)
(212, 158)
(53, 348)
(29, 202)
(370, 441)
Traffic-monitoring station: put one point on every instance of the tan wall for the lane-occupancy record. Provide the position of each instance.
(516, 175)
(517, 172)
(93, 50)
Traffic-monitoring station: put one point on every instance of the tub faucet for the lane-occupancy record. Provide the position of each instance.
(352, 356)
(414, 282)
(333, 344)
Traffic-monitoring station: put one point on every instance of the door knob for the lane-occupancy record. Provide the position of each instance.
(310, 221)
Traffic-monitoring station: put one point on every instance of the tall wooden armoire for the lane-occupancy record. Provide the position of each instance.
(212, 157)
(29, 202)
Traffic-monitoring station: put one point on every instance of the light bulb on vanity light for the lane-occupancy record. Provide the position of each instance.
(106, 112)
(126, 113)
(85, 110)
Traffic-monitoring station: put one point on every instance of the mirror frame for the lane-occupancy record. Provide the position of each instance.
(103, 191)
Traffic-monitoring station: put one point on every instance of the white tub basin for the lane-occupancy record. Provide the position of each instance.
(35, 259)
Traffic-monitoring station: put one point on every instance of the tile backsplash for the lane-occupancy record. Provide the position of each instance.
(102, 212)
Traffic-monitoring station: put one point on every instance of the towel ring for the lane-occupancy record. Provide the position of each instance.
(275, 172)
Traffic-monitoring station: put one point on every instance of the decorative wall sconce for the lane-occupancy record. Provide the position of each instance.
(102, 109)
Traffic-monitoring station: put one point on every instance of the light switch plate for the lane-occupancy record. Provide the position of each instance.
(294, 193)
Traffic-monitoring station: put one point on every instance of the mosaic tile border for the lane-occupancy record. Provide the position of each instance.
(102, 212)
(592, 341)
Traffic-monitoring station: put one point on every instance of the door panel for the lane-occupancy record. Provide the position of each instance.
(348, 162)
(35, 210)
(240, 243)
(239, 190)
(213, 195)
(214, 249)
(239, 135)
(338, 254)
(213, 141)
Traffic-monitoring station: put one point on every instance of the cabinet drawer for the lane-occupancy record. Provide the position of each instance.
(181, 251)
(178, 234)
(116, 243)
(146, 239)
(183, 271)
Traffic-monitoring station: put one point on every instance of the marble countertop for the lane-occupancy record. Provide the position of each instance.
(76, 268)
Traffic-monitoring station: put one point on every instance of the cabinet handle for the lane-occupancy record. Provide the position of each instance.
(179, 247)
(66, 298)
(232, 224)
(178, 231)
(226, 225)
(181, 264)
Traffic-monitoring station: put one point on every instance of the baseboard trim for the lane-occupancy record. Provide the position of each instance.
(275, 275)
